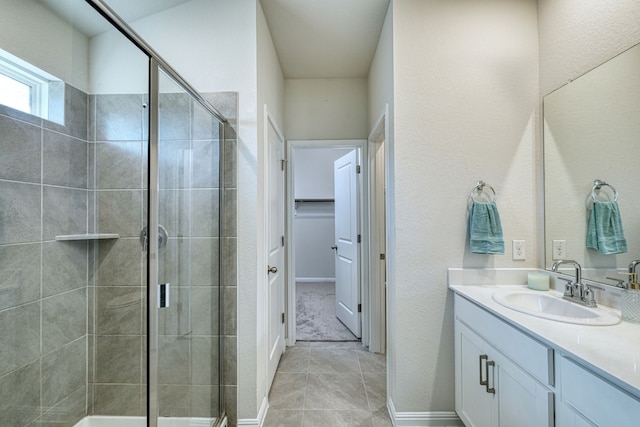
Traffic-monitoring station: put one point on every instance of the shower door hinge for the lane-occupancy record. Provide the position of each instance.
(283, 163)
(282, 241)
(359, 238)
(358, 169)
(359, 308)
(283, 317)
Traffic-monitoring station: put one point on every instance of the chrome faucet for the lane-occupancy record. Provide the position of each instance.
(576, 291)
(632, 266)
(632, 284)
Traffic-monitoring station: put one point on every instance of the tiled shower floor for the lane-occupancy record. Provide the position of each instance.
(329, 383)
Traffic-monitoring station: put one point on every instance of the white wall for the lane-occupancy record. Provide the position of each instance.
(466, 102)
(578, 35)
(381, 94)
(211, 43)
(33, 33)
(326, 108)
(314, 235)
(313, 171)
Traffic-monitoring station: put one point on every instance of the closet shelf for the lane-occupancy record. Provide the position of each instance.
(95, 236)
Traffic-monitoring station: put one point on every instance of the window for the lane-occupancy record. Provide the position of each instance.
(23, 86)
(14, 93)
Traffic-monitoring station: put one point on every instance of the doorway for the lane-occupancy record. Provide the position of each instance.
(311, 208)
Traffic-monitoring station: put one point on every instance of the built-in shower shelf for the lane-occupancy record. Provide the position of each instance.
(95, 236)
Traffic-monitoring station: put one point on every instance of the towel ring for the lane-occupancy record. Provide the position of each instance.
(598, 184)
(480, 186)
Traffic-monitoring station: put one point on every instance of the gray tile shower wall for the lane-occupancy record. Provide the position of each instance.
(117, 285)
(43, 282)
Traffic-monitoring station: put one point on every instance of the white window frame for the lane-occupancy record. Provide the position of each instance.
(37, 80)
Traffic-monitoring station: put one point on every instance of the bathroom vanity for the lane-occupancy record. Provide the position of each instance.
(515, 369)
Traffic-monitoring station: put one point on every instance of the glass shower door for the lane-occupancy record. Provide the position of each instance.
(187, 292)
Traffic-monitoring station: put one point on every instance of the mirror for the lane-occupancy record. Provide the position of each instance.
(592, 132)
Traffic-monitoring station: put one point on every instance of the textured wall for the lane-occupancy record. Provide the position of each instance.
(465, 99)
(34, 33)
(326, 108)
(578, 35)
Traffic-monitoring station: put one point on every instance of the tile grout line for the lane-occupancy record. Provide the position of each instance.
(306, 383)
(364, 385)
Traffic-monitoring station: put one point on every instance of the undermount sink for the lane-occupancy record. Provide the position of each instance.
(551, 306)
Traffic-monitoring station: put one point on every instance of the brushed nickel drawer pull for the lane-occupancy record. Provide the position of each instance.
(491, 390)
(483, 382)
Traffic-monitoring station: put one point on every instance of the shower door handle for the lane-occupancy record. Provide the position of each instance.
(163, 295)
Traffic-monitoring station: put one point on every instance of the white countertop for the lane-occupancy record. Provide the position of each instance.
(611, 351)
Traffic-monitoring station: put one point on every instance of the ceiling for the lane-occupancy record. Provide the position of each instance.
(313, 38)
(325, 38)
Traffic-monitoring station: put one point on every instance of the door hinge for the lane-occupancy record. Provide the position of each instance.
(382, 256)
(283, 163)
(359, 308)
(358, 169)
(282, 241)
(282, 317)
(359, 238)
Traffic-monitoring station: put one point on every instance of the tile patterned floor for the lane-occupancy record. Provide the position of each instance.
(329, 384)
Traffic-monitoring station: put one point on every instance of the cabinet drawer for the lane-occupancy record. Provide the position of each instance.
(531, 355)
(600, 402)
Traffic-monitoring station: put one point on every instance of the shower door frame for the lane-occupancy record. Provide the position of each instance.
(156, 63)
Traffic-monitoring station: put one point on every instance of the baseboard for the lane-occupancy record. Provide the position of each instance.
(262, 414)
(423, 419)
(315, 279)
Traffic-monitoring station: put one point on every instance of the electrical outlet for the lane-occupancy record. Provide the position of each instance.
(559, 249)
(519, 252)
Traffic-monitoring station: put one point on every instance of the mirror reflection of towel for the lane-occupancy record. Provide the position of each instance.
(485, 229)
(604, 230)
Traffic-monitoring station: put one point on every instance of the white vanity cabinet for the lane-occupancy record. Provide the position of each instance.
(586, 399)
(491, 389)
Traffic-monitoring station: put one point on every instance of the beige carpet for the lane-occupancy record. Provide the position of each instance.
(316, 314)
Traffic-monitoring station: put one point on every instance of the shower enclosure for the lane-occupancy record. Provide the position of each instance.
(111, 228)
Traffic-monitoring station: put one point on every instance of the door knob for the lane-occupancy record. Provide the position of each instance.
(272, 269)
(334, 247)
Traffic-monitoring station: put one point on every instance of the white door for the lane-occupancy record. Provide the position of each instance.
(275, 247)
(346, 241)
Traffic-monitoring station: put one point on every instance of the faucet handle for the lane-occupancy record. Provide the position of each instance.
(619, 282)
(633, 281)
(568, 287)
(589, 295)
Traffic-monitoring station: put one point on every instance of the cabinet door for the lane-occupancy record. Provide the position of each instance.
(595, 399)
(474, 404)
(567, 417)
(522, 401)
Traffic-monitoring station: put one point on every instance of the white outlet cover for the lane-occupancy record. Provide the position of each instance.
(519, 250)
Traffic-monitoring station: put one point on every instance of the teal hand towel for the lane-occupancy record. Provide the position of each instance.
(604, 230)
(485, 229)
